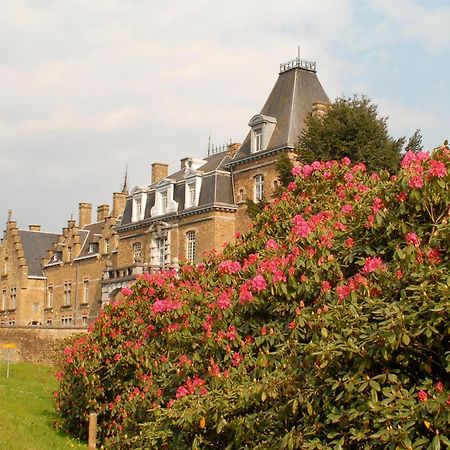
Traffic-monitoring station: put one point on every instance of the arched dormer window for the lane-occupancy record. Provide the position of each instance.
(262, 128)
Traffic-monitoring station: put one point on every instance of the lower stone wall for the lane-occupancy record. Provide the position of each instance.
(32, 344)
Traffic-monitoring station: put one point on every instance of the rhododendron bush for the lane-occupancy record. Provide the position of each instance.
(325, 326)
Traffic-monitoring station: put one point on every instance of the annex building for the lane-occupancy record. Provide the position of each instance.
(63, 279)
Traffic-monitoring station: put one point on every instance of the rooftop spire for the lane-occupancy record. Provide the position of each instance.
(125, 181)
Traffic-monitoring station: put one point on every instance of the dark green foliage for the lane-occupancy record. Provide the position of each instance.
(254, 208)
(415, 142)
(351, 128)
(284, 170)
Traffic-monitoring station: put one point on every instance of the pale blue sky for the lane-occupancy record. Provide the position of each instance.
(89, 86)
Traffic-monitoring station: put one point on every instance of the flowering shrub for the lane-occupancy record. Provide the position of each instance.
(325, 326)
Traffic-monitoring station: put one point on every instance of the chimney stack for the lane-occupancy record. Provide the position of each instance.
(119, 200)
(159, 172)
(85, 214)
(34, 227)
(102, 212)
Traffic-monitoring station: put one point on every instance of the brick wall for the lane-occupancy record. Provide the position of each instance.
(34, 344)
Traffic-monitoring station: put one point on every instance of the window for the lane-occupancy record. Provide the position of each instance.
(258, 140)
(138, 206)
(57, 256)
(86, 291)
(66, 321)
(93, 247)
(164, 202)
(50, 297)
(5, 266)
(241, 198)
(259, 188)
(137, 251)
(4, 300)
(67, 293)
(106, 245)
(190, 246)
(191, 200)
(13, 294)
(162, 251)
(84, 320)
(49, 322)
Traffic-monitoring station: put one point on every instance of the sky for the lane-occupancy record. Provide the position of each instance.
(90, 87)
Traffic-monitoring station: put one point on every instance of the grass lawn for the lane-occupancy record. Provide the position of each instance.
(26, 409)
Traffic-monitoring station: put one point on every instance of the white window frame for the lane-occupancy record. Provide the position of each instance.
(258, 137)
(137, 250)
(191, 245)
(258, 193)
(161, 246)
(164, 202)
(139, 201)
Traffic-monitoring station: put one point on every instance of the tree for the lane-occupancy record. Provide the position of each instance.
(284, 170)
(415, 142)
(350, 128)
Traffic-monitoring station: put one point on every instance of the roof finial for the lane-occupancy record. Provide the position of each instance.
(209, 144)
(9, 215)
(298, 52)
(125, 180)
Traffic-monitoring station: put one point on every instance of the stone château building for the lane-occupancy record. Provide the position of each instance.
(177, 216)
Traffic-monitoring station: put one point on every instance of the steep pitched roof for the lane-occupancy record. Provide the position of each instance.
(289, 103)
(35, 246)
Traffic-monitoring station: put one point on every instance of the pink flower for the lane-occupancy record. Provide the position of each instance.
(346, 161)
(434, 255)
(372, 264)
(296, 170)
(258, 283)
(377, 204)
(229, 267)
(236, 359)
(271, 245)
(437, 169)
(422, 396)
(412, 238)
(343, 292)
(307, 170)
(224, 301)
(347, 209)
(415, 182)
(181, 392)
(245, 296)
(350, 242)
(126, 291)
(439, 386)
(326, 286)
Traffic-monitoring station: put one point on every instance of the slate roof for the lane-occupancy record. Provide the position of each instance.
(92, 234)
(35, 246)
(290, 102)
(216, 188)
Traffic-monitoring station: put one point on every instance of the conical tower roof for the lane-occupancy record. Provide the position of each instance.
(296, 90)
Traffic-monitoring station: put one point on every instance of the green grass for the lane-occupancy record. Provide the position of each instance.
(27, 412)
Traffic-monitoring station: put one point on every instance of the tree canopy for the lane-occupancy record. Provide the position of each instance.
(350, 128)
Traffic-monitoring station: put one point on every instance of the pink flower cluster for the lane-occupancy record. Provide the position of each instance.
(165, 305)
(372, 264)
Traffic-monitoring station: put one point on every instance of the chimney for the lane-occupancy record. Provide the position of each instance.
(183, 162)
(119, 200)
(159, 171)
(233, 149)
(34, 227)
(102, 212)
(85, 214)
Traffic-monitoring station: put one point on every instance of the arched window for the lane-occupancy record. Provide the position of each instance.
(190, 246)
(258, 188)
(137, 251)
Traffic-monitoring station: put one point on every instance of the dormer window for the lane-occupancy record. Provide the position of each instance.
(262, 128)
(258, 140)
(138, 206)
(57, 256)
(164, 202)
(192, 191)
